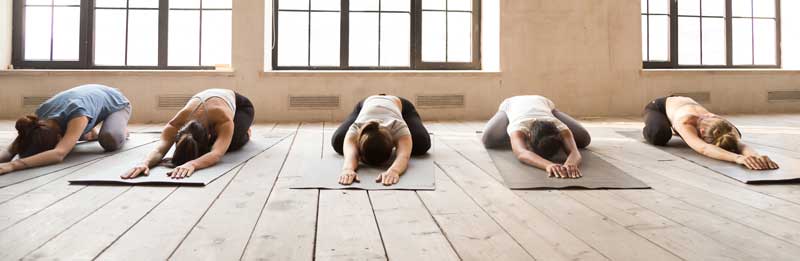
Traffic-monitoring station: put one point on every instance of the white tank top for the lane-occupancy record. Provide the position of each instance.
(228, 95)
(523, 111)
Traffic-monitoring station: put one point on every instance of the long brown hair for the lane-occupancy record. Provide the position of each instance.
(192, 141)
(34, 137)
(375, 145)
(545, 139)
(720, 133)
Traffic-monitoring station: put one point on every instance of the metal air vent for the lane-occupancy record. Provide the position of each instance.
(440, 101)
(701, 97)
(783, 96)
(313, 102)
(172, 102)
(33, 101)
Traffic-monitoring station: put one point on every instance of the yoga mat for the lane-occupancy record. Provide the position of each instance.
(109, 170)
(82, 153)
(597, 173)
(324, 174)
(789, 166)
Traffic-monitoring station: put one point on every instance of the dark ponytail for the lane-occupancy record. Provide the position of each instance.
(192, 141)
(375, 145)
(34, 137)
(545, 139)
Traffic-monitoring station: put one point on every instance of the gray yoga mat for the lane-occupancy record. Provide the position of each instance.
(597, 173)
(789, 166)
(324, 174)
(82, 153)
(108, 170)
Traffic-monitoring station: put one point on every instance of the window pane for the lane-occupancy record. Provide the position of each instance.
(764, 8)
(329, 5)
(459, 37)
(110, 3)
(742, 8)
(38, 2)
(67, 2)
(434, 4)
(184, 3)
(395, 5)
(714, 52)
(217, 4)
(66, 33)
(184, 38)
(644, 37)
(325, 39)
(363, 39)
(216, 42)
(364, 5)
(659, 6)
(109, 37)
(434, 37)
(395, 39)
(143, 3)
(644, 6)
(292, 39)
(742, 41)
(713, 7)
(689, 41)
(37, 33)
(659, 38)
(143, 38)
(689, 7)
(459, 5)
(293, 4)
(764, 33)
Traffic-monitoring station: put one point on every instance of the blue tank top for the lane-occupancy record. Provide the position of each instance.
(92, 100)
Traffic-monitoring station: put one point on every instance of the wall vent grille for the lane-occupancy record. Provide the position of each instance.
(313, 102)
(33, 101)
(783, 96)
(701, 97)
(441, 101)
(172, 102)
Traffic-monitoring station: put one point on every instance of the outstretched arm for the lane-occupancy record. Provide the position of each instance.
(754, 160)
(520, 148)
(350, 166)
(166, 142)
(749, 158)
(400, 164)
(224, 137)
(574, 155)
(74, 131)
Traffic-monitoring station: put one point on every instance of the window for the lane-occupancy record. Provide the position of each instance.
(711, 33)
(376, 34)
(122, 34)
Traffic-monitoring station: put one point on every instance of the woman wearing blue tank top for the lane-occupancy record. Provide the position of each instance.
(60, 122)
(212, 123)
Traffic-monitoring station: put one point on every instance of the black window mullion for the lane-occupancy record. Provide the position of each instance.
(52, 26)
(416, 34)
(778, 53)
(127, 21)
(380, 9)
(729, 32)
(163, 33)
(344, 35)
(200, 36)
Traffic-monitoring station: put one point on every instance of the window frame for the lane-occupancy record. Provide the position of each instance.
(415, 52)
(674, 63)
(86, 45)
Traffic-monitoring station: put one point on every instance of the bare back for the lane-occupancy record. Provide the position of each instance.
(684, 110)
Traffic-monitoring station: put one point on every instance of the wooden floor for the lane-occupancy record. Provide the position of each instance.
(250, 213)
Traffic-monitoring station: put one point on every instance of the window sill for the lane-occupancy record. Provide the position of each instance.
(377, 73)
(39, 72)
(719, 71)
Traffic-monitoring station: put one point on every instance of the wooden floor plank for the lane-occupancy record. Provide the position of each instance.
(408, 229)
(352, 222)
(87, 238)
(224, 230)
(156, 235)
(707, 237)
(27, 235)
(286, 226)
(16, 190)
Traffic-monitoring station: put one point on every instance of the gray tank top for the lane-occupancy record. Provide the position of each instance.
(94, 101)
(384, 110)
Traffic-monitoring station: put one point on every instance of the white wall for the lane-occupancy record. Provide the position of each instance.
(5, 33)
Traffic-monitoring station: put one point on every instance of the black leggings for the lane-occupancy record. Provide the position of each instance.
(657, 127)
(420, 138)
(242, 120)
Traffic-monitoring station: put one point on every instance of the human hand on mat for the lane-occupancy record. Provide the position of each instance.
(348, 177)
(388, 178)
(142, 169)
(182, 171)
(557, 171)
(573, 172)
(756, 162)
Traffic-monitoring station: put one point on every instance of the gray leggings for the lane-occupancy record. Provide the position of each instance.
(495, 134)
(114, 131)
